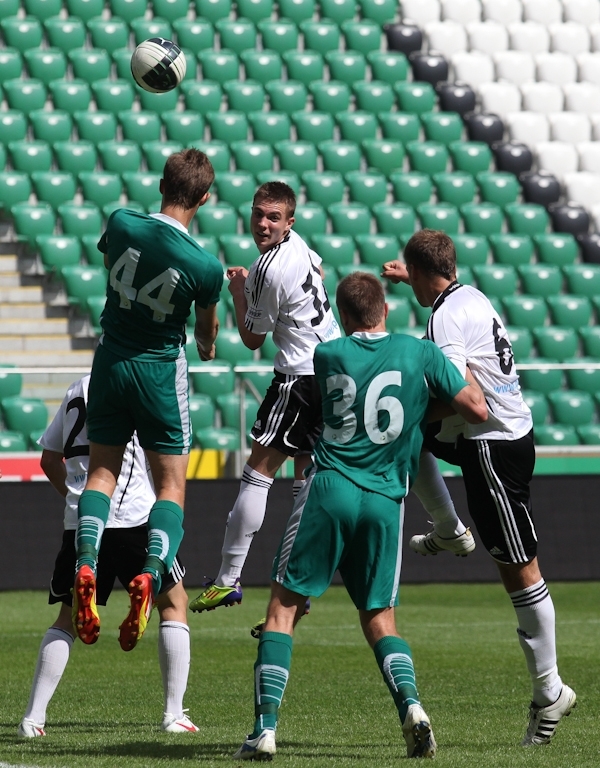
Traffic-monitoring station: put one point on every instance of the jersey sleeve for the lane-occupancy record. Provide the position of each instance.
(264, 292)
(442, 376)
(212, 283)
(53, 438)
(448, 334)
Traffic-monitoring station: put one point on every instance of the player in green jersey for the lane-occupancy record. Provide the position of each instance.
(348, 516)
(139, 378)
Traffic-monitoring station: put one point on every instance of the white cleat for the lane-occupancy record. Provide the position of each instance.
(260, 748)
(417, 733)
(543, 721)
(173, 724)
(430, 544)
(29, 730)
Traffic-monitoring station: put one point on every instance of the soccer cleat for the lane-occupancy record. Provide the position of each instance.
(430, 544)
(214, 597)
(29, 730)
(183, 724)
(543, 721)
(417, 733)
(86, 620)
(257, 630)
(260, 748)
(141, 603)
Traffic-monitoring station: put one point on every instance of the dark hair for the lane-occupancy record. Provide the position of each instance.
(276, 192)
(433, 252)
(187, 177)
(360, 295)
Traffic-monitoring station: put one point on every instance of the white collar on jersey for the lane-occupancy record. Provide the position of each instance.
(169, 220)
(367, 335)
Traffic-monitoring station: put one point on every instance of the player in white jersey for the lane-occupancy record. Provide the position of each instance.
(284, 293)
(496, 458)
(65, 460)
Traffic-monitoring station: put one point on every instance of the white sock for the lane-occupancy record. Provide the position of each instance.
(51, 662)
(245, 519)
(433, 494)
(174, 661)
(535, 612)
(297, 486)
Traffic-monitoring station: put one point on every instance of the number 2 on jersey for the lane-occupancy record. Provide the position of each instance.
(127, 265)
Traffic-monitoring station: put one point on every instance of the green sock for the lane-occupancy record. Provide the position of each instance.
(271, 672)
(92, 511)
(395, 662)
(165, 532)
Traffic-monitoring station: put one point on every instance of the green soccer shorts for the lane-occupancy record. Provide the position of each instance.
(148, 397)
(335, 524)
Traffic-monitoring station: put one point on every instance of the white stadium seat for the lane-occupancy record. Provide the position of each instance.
(528, 127)
(463, 11)
(582, 97)
(543, 97)
(500, 98)
(558, 68)
(529, 36)
(447, 37)
(589, 67)
(504, 11)
(570, 126)
(487, 36)
(569, 37)
(594, 30)
(583, 187)
(589, 156)
(421, 11)
(557, 157)
(543, 11)
(473, 67)
(582, 11)
(595, 121)
(515, 67)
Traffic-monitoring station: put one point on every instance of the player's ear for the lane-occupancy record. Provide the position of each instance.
(386, 309)
(204, 199)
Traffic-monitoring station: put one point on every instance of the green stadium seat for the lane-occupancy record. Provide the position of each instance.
(527, 218)
(399, 126)
(584, 379)
(213, 10)
(350, 218)
(442, 216)
(364, 36)
(235, 188)
(9, 8)
(590, 338)
(356, 126)
(113, 95)
(85, 9)
(373, 95)
(471, 156)
(13, 126)
(217, 219)
(470, 249)
(589, 434)
(499, 187)
(415, 97)
(213, 383)
(131, 205)
(229, 407)
(228, 126)
(24, 34)
(58, 251)
(15, 187)
(296, 10)
(556, 434)
(202, 412)
(24, 414)
(498, 280)
(32, 220)
(311, 220)
(81, 282)
(80, 218)
(324, 188)
(218, 439)
(349, 269)
(526, 311)
(100, 187)
(93, 256)
(313, 126)
(422, 314)
(238, 35)
(572, 407)
(143, 29)
(366, 188)
(394, 219)
(262, 66)
(330, 96)
(383, 155)
(171, 10)
(399, 313)
(429, 157)
(583, 279)
(96, 126)
(288, 177)
(29, 156)
(558, 248)
(544, 380)
(128, 9)
(70, 95)
(513, 249)
(157, 152)
(465, 276)
(556, 342)
(11, 441)
(230, 347)
(338, 11)
(194, 34)
(341, 156)
(258, 379)
(108, 34)
(158, 102)
(90, 64)
(540, 279)
(297, 156)
(45, 64)
(209, 243)
(54, 187)
(330, 281)
(444, 127)
(10, 383)
(122, 60)
(482, 218)
(95, 308)
(570, 311)
(75, 156)
(413, 188)
(24, 95)
(456, 187)
(538, 404)
(521, 342)
(270, 126)
(216, 151)
(183, 127)
(140, 126)
(280, 35)
(238, 250)
(346, 66)
(120, 156)
(305, 66)
(51, 126)
(377, 249)
(322, 36)
(66, 34)
(335, 250)
(288, 96)
(253, 156)
(388, 66)
(244, 95)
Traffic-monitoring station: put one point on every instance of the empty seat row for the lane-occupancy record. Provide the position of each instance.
(575, 128)
(503, 11)
(503, 98)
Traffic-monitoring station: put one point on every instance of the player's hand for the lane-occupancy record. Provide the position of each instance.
(237, 279)
(206, 355)
(395, 272)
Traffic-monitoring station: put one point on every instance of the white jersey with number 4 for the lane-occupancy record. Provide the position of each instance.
(67, 434)
(286, 295)
(467, 328)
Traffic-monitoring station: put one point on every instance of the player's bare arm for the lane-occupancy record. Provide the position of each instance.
(395, 271)
(470, 401)
(438, 409)
(237, 280)
(53, 466)
(205, 331)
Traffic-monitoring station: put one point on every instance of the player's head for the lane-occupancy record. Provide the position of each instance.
(187, 177)
(432, 252)
(361, 302)
(273, 211)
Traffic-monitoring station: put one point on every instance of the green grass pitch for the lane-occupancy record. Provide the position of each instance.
(336, 711)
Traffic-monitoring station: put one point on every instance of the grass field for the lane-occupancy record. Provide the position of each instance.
(336, 711)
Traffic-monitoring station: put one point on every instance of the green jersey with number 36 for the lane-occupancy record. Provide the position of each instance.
(156, 273)
(376, 390)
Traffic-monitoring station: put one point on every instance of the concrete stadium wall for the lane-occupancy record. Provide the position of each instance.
(566, 511)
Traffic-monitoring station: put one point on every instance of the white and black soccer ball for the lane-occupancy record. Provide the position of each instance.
(158, 65)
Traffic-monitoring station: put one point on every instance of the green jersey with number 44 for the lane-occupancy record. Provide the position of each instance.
(376, 390)
(156, 272)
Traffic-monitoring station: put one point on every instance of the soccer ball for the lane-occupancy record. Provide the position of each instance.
(158, 65)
